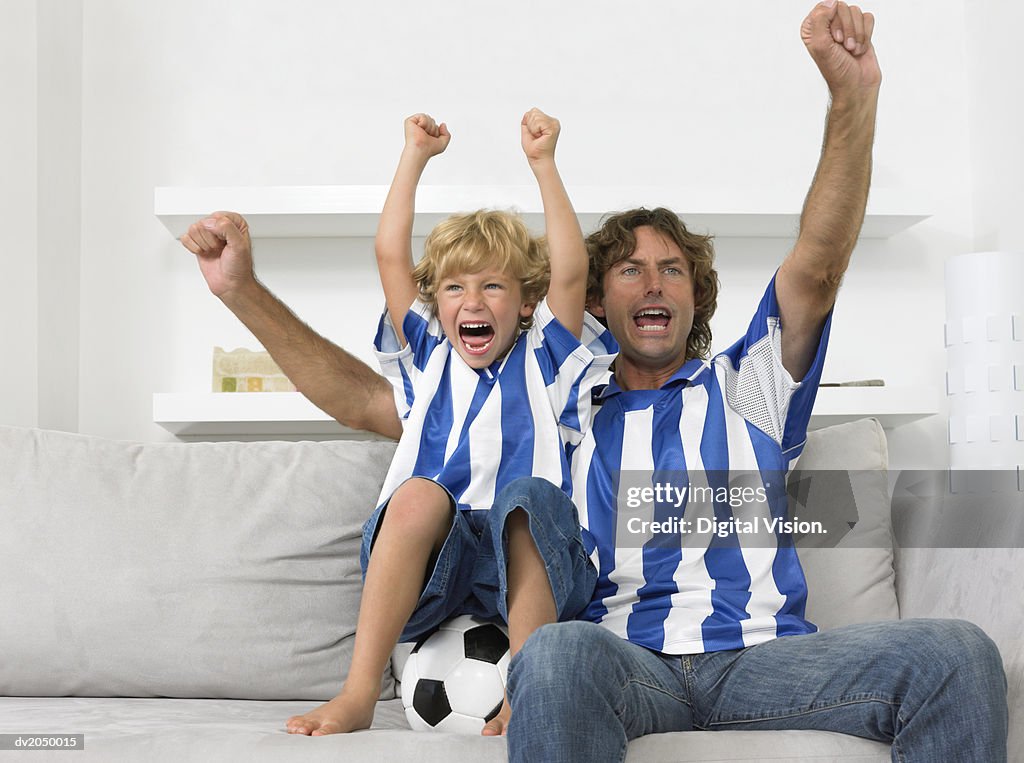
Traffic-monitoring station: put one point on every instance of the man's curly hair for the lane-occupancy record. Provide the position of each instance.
(614, 241)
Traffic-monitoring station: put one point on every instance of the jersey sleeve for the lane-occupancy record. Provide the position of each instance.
(403, 365)
(760, 388)
(571, 367)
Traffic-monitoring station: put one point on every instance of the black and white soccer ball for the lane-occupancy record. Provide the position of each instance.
(454, 679)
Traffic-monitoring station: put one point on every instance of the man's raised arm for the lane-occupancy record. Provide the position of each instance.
(334, 380)
(838, 37)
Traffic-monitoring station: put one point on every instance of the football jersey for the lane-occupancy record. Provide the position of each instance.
(738, 421)
(475, 430)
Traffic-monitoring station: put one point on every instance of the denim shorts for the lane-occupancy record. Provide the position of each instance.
(470, 575)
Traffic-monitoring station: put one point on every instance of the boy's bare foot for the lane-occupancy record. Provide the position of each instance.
(342, 714)
(498, 725)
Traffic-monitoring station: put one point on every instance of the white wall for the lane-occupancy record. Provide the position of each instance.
(716, 97)
(59, 209)
(997, 123)
(18, 353)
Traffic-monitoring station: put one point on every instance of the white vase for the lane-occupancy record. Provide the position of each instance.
(985, 362)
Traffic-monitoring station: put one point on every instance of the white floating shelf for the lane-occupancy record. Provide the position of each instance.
(246, 413)
(892, 406)
(331, 211)
(273, 414)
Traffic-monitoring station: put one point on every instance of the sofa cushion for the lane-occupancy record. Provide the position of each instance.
(181, 570)
(176, 730)
(844, 471)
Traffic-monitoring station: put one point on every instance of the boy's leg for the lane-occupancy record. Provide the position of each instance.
(530, 601)
(411, 532)
(538, 566)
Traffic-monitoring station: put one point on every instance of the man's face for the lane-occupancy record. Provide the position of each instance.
(648, 304)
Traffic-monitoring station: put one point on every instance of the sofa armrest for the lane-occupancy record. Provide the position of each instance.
(981, 585)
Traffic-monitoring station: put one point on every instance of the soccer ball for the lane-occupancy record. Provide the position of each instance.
(454, 679)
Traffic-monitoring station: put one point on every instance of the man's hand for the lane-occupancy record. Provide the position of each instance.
(540, 134)
(838, 37)
(424, 136)
(332, 379)
(221, 244)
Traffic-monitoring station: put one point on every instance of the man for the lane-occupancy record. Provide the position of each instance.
(709, 633)
(683, 637)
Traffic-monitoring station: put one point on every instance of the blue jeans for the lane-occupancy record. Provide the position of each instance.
(470, 574)
(934, 689)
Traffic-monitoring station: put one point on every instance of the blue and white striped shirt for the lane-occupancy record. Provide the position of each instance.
(741, 415)
(475, 430)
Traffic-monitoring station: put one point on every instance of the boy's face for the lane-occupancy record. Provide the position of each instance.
(480, 314)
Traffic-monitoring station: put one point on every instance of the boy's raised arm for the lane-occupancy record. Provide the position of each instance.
(568, 291)
(424, 138)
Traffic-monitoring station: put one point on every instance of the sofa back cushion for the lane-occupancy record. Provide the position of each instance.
(181, 570)
(844, 469)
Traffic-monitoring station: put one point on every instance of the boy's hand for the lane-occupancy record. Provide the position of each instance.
(222, 246)
(540, 134)
(424, 136)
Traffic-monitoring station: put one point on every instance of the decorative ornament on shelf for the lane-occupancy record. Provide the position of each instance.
(244, 370)
(855, 383)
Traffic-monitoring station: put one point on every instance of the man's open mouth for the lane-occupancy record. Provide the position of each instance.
(652, 319)
(476, 336)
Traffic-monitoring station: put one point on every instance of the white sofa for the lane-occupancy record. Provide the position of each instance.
(178, 602)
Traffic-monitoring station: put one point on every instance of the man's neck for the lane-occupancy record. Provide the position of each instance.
(630, 376)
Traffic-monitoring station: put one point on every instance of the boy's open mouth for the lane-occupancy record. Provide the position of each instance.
(652, 319)
(476, 336)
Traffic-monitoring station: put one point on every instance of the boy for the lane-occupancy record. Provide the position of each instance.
(493, 384)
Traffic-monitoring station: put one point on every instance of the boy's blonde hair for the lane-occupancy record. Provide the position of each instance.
(468, 243)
